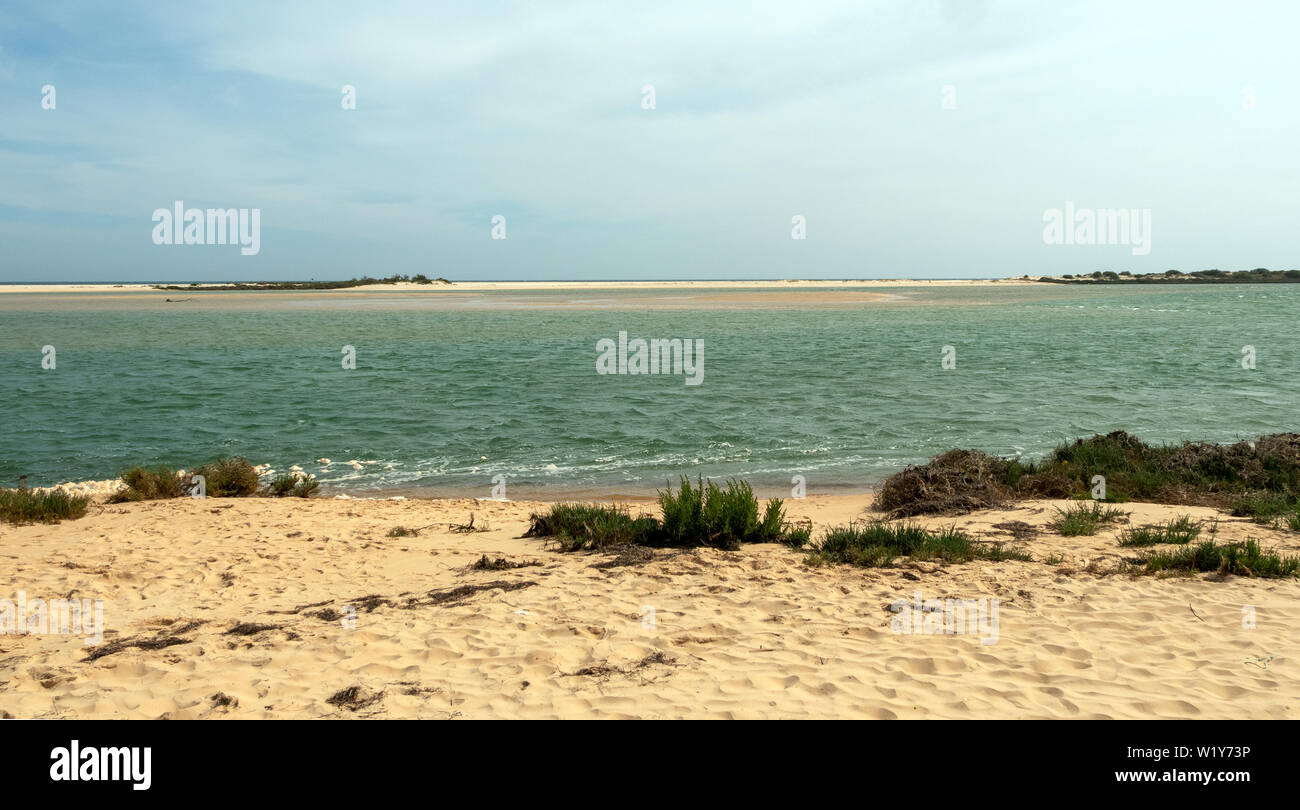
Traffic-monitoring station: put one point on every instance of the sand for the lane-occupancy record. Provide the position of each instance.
(749, 634)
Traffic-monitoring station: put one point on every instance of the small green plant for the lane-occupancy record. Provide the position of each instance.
(1243, 559)
(1085, 518)
(1180, 530)
(877, 544)
(797, 535)
(40, 506)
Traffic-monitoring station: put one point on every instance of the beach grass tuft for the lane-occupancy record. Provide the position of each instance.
(1276, 509)
(1085, 519)
(1243, 559)
(40, 505)
(577, 526)
(1178, 531)
(877, 544)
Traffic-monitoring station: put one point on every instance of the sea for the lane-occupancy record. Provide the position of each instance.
(457, 393)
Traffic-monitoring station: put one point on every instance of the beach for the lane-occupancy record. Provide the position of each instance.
(292, 608)
(411, 405)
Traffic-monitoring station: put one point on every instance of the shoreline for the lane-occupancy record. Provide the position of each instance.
(100, 489)
(461, 607)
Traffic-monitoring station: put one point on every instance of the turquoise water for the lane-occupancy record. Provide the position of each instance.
(450, 392)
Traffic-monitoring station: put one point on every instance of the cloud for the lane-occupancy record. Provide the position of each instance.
(763, 110)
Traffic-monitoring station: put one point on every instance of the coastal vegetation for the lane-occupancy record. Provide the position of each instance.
(706, 514)
(1276, 509)
(1260, 478)
(878, 544)
(1246, 559)
(1177, 531)
(703, 514)
(294, 485)
(419, 278)
(1085, 519)
(25, 505)
(1259, 275)
(231, 477)
(149, 484)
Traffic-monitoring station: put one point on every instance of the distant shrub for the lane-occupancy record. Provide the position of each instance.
(294, 485)
(40, 506)
(149, 484)
(231, 477)
(1260, 478)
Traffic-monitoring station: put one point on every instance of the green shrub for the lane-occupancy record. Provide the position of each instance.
(1256, 477)
(577, 526)
(230, 478)
(704, 514)
(709, 515)
(40, 506)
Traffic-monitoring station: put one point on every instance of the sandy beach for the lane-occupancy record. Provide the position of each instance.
(270, 608)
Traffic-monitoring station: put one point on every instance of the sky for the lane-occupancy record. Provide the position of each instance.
(916, 138)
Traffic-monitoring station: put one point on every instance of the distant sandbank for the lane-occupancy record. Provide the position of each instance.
(475, 286)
